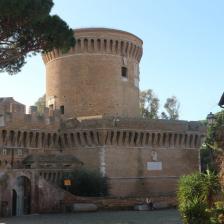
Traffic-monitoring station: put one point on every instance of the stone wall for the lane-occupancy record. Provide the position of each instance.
(130, 176)
(93, 98)
(139, 156)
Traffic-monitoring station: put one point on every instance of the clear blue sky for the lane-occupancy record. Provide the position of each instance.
(183, 49)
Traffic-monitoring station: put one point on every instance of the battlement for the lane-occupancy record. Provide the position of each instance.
(57, 130)
(107, 131)
(133, 123)
(102, 41)
(29, 120)
(13, 114)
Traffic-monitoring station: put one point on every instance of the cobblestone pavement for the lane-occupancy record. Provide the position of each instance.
(122, 217)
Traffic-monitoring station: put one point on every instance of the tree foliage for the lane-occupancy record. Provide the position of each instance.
(41, 104)
(172, 108)
(215, 132)
(26, 28)
(149, 106)
(212, 150)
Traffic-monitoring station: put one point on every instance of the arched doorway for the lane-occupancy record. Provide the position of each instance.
(21, 196)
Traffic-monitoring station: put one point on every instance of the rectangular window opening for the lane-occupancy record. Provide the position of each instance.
(124, 72)
(62, 109)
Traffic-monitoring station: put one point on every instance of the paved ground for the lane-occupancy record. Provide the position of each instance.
(123, 217)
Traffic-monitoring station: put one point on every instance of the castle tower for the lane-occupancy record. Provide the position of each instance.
(98, 77)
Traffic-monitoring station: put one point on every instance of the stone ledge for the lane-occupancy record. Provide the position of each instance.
(84, 207)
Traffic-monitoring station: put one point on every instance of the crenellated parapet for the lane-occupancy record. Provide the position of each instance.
(31, 121)
(114, 135)
(102, 41)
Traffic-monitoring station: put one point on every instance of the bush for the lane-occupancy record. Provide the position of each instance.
(191, 199)
(217, 213)
(195, 212)
(195, 197)
(87, 183)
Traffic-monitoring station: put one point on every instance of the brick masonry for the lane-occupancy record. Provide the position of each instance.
(100, 126)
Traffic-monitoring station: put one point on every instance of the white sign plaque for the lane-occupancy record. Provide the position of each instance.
(154, 166)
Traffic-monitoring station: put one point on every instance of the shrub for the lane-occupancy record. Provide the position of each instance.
(195, 197)
(191, 199)
(211, 186)
(217, 213)
(87, 183)
(195, 212)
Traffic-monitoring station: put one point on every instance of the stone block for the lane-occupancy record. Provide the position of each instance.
(161, 205)
(84, 207)
(142, 207)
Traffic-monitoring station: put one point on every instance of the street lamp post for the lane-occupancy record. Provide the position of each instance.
(211, 118)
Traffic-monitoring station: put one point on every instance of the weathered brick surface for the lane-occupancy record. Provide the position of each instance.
(87, 81)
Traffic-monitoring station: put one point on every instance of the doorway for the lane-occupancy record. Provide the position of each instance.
(21, 196)
(14, 202)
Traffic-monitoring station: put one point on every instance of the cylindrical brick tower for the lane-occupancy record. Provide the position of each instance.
(98, 77)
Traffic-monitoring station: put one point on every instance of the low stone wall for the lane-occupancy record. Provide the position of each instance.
(129, 203)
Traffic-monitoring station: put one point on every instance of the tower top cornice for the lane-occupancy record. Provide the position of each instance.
(106, 30)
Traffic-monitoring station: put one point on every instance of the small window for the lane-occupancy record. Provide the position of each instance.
(62, 109)
(124, 72)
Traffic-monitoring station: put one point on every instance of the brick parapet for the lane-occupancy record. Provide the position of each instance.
(96, 133)
(102, 41)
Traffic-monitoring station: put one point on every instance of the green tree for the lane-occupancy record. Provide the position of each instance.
(26, 28)
(41, 104)
(164, 116)
(212, 150)
(149, 104)
(172, 107)
(215, 132)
